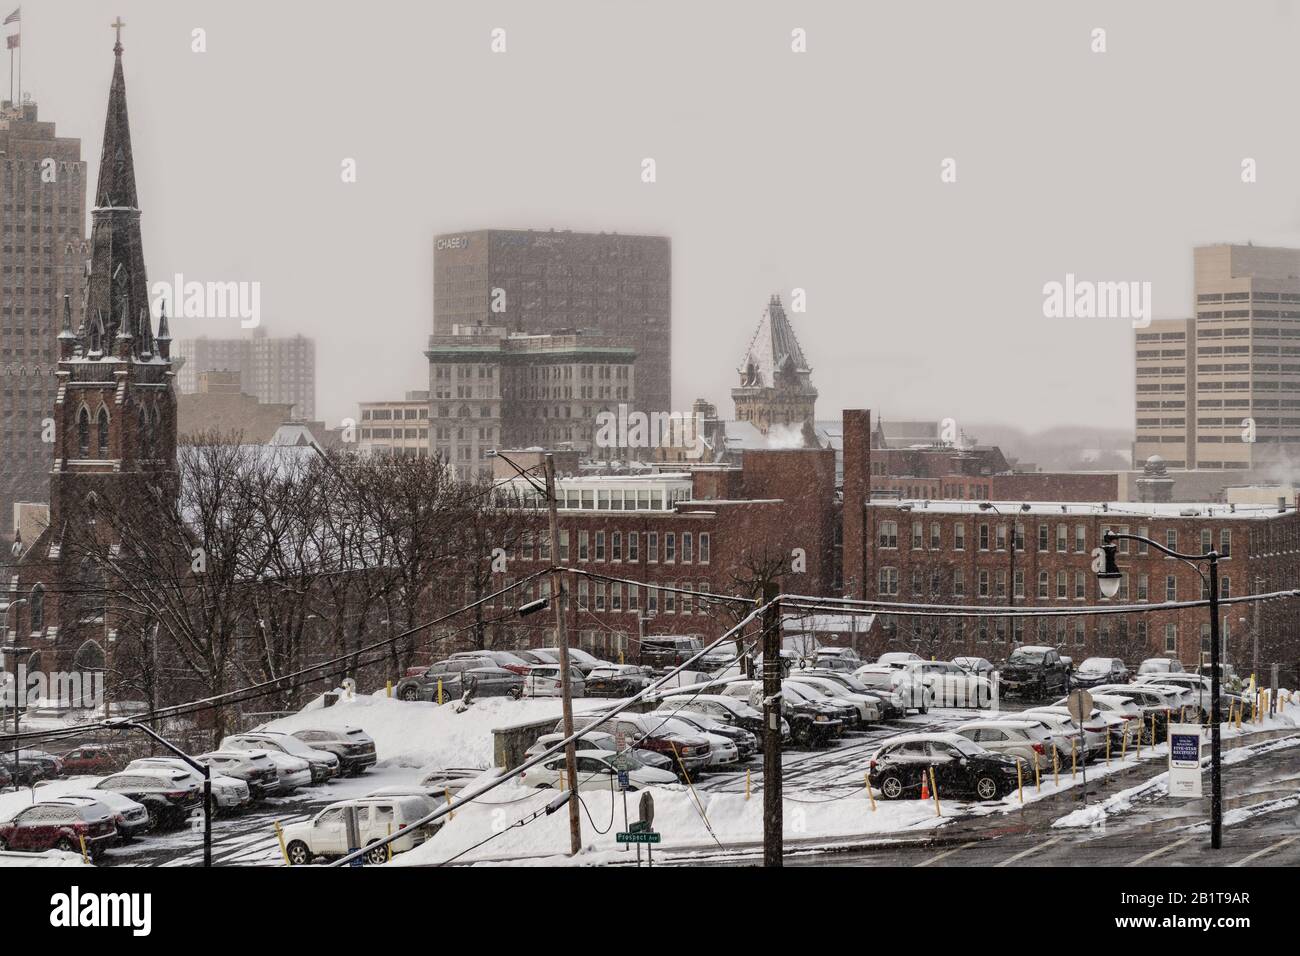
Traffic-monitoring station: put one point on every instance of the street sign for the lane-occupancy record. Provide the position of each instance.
(647, 836)
(647, 809)
(624, 781)
(638, 826)
(1080, 705)
(1185, 760)
(623, 761)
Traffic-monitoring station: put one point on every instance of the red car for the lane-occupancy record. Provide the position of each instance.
(60, 825)
(89, 759)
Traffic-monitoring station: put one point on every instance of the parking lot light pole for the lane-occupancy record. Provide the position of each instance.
(121, 723)
(1108, 578)
(773, 839)
(16, 651)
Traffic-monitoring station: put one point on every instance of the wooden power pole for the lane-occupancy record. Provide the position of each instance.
(562, 642)
(772, 816)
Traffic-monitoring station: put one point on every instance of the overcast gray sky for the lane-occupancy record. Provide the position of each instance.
(776, 170)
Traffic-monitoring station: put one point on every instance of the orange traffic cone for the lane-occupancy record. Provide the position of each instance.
(925, 787)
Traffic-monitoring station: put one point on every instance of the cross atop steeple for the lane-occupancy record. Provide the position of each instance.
(117, 25)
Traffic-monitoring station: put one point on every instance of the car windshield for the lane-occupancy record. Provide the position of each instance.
(1097, 665)
(1027, 656)
(965, 746)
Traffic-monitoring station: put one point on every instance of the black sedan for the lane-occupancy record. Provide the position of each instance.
(484, 680)
(961, 768)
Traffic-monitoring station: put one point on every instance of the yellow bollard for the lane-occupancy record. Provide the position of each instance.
(866, 781)
(1108, 749)
(439, 691)
(1038, 780)
(1139, 739)
(446, 792)
(1153, 729)
(620, 658)
(389, 846)
(1020, 779)
(1056, 767)
(85, 857)
(1074, 758)
(279, 836)
(934, 790)
(748, 774)
(388, 688)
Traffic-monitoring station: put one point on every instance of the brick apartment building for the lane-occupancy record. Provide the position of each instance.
(712, 529)
(956, 552)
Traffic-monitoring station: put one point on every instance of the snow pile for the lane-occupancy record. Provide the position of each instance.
(48, 858)
(678, 819)
(1119, 803)
(418, 734)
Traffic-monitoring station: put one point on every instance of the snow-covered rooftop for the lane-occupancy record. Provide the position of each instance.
(1109, 509)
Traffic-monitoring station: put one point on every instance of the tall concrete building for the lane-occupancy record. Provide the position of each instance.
(490, 388)
(540, 282)
(395, 427)
(273, 370)
(1222, 390)
(42, 260)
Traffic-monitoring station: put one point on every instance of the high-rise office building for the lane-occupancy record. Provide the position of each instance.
(273, 370)
(539, 282)
(1222, 390)
(490, 389)
(42, 259)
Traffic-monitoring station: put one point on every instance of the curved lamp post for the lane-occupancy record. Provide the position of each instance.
(1108, 579)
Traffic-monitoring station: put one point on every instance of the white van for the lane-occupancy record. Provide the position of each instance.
(326, 833)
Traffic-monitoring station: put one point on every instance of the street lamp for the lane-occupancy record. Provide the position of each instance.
(1108, 580)
(123, 723)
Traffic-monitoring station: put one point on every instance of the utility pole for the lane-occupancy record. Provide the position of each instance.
(562, 642)
(773, 823)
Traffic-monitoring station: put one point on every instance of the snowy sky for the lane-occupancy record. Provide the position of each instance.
(775, 170)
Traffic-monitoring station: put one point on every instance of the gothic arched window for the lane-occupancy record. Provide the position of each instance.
(103, 432)
(83, 431)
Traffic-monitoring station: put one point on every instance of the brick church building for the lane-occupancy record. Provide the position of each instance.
(114, 422)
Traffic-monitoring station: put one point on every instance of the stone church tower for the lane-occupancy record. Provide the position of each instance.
(776, 389)
(114, 419)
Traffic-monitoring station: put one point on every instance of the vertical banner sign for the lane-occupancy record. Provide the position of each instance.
(1184, 760)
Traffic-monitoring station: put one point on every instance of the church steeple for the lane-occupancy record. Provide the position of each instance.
(117, 284)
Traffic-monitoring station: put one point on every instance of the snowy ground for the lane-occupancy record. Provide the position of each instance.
(823, 790)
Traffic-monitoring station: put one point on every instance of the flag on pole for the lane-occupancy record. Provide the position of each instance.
(14, 17)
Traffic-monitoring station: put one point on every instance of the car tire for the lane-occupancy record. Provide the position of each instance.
(299, 853)
(409, 693)
(986, 788)
(376, 855)
(155, 816)
(4, 844)
(66, 845)
(891, 788)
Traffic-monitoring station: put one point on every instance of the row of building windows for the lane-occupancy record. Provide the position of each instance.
(991, 537)
(668, 547)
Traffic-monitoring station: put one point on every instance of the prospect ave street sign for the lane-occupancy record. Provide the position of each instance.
(647, 836)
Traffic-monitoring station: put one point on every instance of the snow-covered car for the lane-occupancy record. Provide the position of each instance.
(890, 702)
(440, 781)
(353, 746)
(253, 767)
(599, 740)
(681, 743)
(132, 818)
(867, 705)
(1099, 670)
(324, 765)
(543, 680)
(904, 763)
(837, 659)
(1095, 729)
(1160, 665)
(167, 794)
(910, 694)
(745, 743)
(1196, 689)
(326, 834)
(1023, 739)
(597, 771)
(427, 800)
(897, 658)
(731, 710)
(293, 772)
(617, 680)
(60, 824)
(228, 793)
(974, 665)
